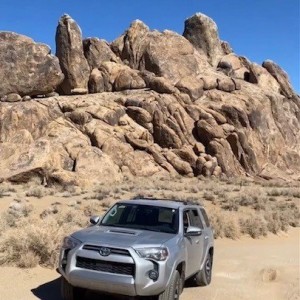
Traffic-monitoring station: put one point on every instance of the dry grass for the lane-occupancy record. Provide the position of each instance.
(236, 207)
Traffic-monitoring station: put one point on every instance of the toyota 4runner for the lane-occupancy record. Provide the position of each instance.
(140, 248)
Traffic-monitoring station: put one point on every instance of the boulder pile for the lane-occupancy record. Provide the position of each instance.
(148, 104)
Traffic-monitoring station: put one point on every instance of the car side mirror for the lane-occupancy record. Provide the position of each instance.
(95, 220)
(193, 231)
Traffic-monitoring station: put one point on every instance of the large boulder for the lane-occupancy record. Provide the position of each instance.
(281, 76)
(98, 51)
(191, 86)
(27, 68)
(203, 34)
(260, 76)
(120, 77)
(166, 54)
(69, 50)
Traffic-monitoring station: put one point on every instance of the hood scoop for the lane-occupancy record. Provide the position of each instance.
(122, 231)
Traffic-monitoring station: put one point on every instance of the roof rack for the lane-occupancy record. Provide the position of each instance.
(184, 202)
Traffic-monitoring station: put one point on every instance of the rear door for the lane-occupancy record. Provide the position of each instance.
(207, 233)
(194, 244)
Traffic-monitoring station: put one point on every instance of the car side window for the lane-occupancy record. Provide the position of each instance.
(195, 218)
(186, 222)
(205, 217)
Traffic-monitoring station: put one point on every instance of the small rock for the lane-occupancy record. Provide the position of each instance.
(52, 94)
(209, 82)
(26, 98)
(13, 97)
(79, 91)
(199, 148)
(217, 171)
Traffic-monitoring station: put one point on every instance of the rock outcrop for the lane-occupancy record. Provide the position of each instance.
(27, 68)
(159, 104)
(69, 50)
(166, 54)
(203, 34)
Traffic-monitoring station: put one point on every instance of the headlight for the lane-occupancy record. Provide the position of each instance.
(159, 253)
(70, 242)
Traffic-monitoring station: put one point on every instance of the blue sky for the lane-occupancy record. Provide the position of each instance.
(257, 29)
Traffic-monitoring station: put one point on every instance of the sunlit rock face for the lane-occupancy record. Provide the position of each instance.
(159, 104)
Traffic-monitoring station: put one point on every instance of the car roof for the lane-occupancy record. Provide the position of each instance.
(169, 203)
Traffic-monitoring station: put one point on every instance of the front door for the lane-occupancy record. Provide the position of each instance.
(194, 244)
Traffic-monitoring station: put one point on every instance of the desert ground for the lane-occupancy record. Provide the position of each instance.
(256, 259)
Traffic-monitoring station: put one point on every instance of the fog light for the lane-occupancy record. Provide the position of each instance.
(153, 275)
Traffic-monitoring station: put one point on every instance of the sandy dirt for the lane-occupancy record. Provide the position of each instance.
(267, 268)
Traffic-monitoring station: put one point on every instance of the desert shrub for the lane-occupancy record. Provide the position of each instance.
(72, 218)
(253, 201)
(208, 196)
(289, 213)
(37, 192)
(28, 260)
(280, 216)
(4, 193)
(194, 189)
(224, 226)
(255, 226)
(277, 192)
(6, 189)
(246, 200)
(52, 210)
(230, 205)
(101, 194)
(93, 208)
(15, 212)
(273, 222)
(39, 238)
(296, 194)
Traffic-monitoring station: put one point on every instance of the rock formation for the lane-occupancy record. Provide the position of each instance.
(159, 104)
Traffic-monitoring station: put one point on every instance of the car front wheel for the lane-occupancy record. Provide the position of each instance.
(69, 292)
(172, 292)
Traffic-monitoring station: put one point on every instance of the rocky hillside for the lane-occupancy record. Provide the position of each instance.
(149, 103)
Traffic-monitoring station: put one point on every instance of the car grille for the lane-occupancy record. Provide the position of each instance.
(105, 266)
(112, 250)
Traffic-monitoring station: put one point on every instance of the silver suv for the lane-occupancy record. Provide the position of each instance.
(140, 248)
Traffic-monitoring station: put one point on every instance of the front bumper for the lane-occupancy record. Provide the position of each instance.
(136, 284)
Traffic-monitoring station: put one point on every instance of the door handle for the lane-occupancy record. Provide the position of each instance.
(206, 237)
(197, 242)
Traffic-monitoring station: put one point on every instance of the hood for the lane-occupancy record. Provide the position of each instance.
(121, 237)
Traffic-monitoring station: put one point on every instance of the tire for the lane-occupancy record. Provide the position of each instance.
(203, 277)
(172, 292)
(69, 292)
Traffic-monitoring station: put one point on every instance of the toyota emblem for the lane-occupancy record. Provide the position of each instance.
(104, 251)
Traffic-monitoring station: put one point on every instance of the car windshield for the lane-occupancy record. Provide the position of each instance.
(146, 217)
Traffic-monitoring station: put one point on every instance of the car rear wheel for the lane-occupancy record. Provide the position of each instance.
(203, 277)
(69, 292)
